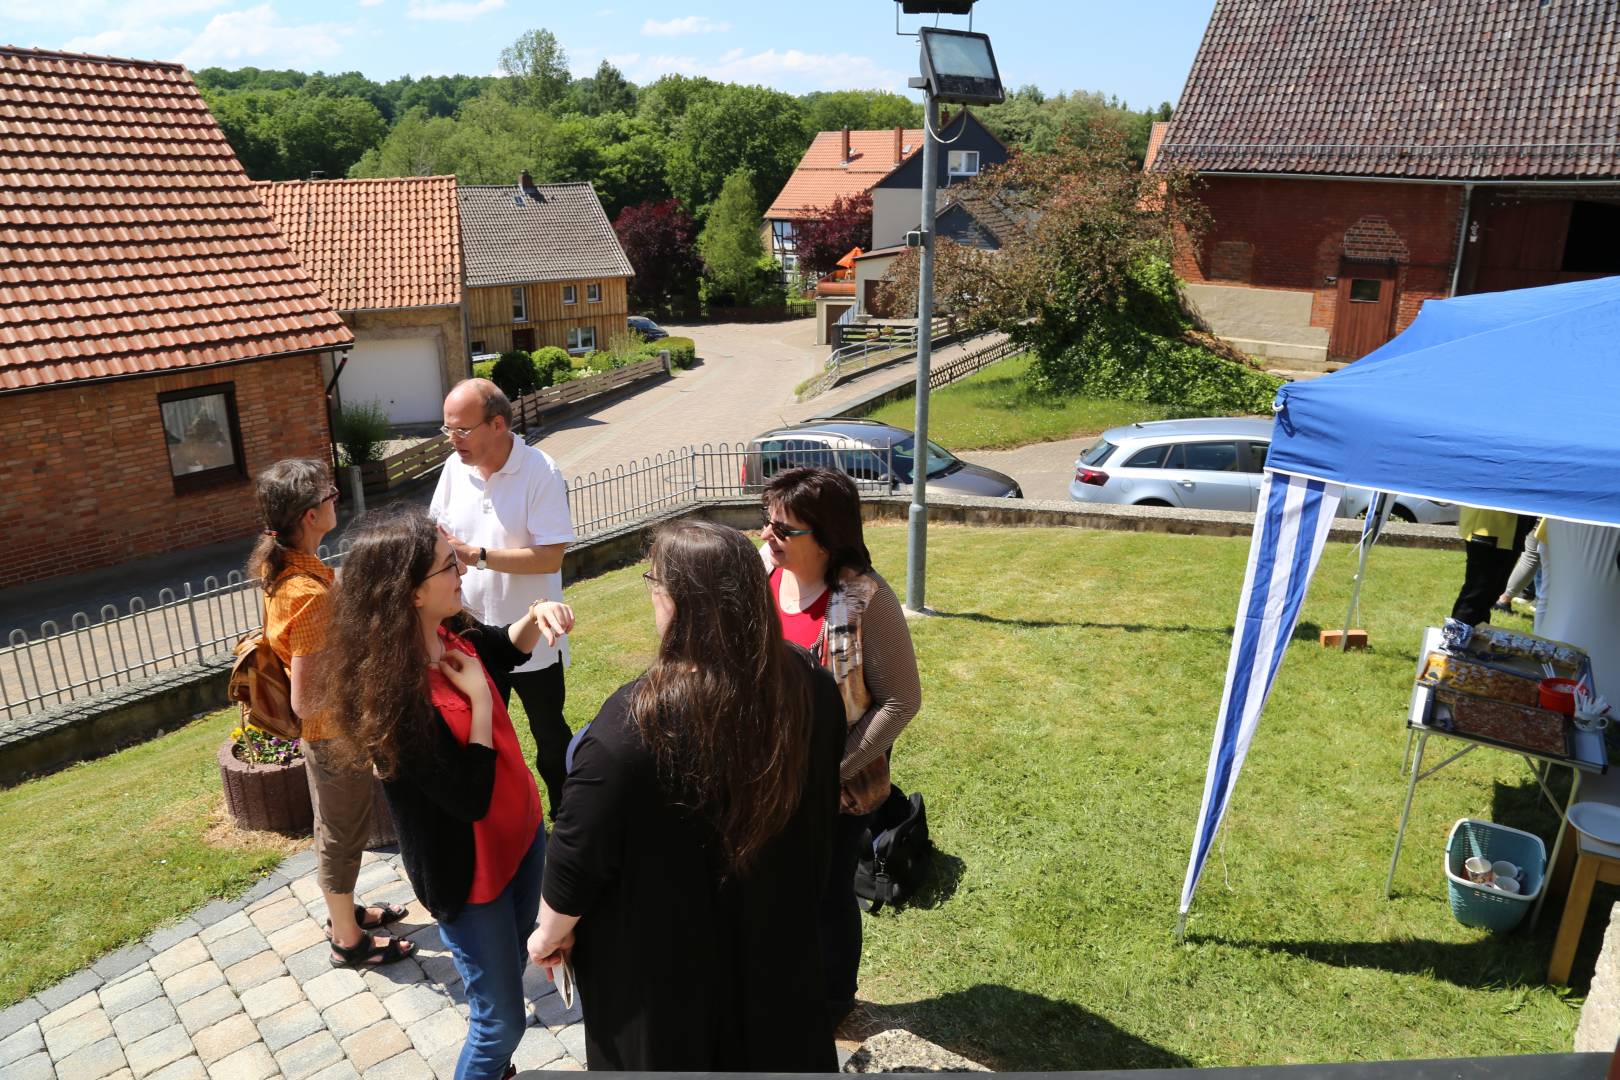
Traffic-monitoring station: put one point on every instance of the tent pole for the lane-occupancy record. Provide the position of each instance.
(1361, 572)
(1181, 928)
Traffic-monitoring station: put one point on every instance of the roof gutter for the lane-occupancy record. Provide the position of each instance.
(1613, 182)
(62, 384)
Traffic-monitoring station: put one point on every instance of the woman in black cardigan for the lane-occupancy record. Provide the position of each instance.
(414, 696)
(688, 858)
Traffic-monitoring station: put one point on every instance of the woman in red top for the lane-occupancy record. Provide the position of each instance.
(415, 698)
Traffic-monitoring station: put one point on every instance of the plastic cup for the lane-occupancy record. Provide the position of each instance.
(1506, 884)
(1479, 870)
(1504, 869)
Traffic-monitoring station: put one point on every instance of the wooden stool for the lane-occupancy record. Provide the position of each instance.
(1596, 862)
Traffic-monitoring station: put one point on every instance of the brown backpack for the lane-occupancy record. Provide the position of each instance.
(262, 684)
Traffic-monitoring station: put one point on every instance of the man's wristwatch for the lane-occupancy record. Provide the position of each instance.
(483, 559)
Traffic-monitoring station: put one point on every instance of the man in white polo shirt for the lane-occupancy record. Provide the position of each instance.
(504, 507)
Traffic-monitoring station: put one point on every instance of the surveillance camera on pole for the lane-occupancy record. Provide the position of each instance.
(958, 67)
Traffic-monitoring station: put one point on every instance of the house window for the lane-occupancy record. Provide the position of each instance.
(593, 293)
(478, 348)
(570, 295)
(581, 339)
(783, 236)
(520, 306)
(1364, 290)
(964, 162)
(205, 440)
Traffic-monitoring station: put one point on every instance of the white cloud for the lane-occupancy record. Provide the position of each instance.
(257, 36)
(140, 43)
(792, 70)
(691, 24)
(451, 10)
(370, 3)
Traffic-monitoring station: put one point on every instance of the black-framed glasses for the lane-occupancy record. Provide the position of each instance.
(330, 496)
(652, 582)
(780, 528)
(463, 432)
(452, 563)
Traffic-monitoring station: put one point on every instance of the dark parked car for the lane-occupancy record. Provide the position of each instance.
(649, 330)
(880, 456)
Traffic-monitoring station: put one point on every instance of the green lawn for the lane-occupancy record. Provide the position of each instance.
(995, 409)
(1070, 683)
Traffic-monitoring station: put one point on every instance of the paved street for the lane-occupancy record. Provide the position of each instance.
(242, 990)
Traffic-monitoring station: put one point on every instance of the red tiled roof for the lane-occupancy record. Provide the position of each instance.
(822, 175)
(374, 244)
(132, 239)
(1445, 89)
(1155, 140)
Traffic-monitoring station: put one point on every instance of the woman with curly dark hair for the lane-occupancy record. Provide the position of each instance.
(410, 689)
(299, 507)
(687, 862)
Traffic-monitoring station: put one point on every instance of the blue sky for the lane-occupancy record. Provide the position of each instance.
(1139, 51)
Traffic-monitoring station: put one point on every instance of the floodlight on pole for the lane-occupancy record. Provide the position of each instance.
(959, 67)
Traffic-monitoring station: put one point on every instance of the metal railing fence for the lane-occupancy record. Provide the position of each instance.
(91, 655)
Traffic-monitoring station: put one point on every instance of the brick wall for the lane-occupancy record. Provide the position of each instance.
(88, 482)
(1280, 233)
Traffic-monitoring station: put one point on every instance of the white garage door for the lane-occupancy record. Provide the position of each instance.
(402, 373)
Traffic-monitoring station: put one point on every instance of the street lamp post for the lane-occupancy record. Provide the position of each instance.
(957, 66)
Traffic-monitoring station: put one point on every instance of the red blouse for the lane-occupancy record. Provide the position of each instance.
(803, 628)
(504, 834)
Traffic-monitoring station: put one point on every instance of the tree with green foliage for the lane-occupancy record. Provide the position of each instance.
(731, 128)
(490, 141)
(326, 135)
(731, 246)
(536, 69)
(632, 170)
(608, 91)
(664, 102)
(861, 110)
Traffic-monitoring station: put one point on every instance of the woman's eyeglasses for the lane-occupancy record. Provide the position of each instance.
(781, 529)
(330, 496)
(652, 582)
(450, 564)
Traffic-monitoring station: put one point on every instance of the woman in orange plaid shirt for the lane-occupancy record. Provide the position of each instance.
(299, 507)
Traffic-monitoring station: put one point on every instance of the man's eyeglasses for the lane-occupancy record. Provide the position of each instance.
(451, 563)
(781, 529)
(463, 432)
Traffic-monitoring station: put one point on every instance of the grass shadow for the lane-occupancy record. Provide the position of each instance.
(1014, 1030)
(1046, 624)
(1494, 962)
(940, 883)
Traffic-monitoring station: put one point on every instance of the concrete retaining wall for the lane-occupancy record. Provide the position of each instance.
(96, 726)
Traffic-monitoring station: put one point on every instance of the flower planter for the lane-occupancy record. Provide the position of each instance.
(266, 797)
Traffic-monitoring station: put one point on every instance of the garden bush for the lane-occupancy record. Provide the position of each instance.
(552, 365)
(484, 369)
(360, 433)
(682, 350)
(514, 374)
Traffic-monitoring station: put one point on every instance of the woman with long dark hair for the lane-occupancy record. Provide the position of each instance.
(410, 687)
(686, 865)
(299, 507)
(831, 601)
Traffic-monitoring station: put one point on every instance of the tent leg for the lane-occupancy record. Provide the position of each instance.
(1406, 812)
(1181, 928)
(1355, 592)
(1558, 844)
(1406, 758)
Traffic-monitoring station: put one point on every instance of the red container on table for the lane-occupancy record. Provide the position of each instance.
(1558, 695)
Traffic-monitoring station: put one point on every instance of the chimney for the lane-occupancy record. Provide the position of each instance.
(899, 140)
(525, 181)
(843, 156)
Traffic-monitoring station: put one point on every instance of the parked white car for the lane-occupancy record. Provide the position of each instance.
(1208, 464)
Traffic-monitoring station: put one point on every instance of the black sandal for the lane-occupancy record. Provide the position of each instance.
(366, 953)
(390, 913)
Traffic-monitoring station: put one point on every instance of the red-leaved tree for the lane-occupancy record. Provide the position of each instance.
(660, 240)
(825, 239)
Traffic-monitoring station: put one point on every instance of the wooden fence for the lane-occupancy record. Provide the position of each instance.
(531, 409)
(964, 366)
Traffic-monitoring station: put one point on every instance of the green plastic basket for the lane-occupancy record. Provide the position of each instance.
(1481, 905)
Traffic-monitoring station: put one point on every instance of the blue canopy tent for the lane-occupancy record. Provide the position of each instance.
(1509, 401)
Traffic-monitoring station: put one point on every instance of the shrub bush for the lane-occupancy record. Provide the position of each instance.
(552, 365)
(484, 369)
(361, 432)
(514, 374)
(682, 351)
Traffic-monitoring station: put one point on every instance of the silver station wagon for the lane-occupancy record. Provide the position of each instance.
(1212, 464)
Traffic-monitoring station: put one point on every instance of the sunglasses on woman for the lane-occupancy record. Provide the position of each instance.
(781, 529)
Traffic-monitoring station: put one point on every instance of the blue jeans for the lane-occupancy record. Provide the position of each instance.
(489, 943)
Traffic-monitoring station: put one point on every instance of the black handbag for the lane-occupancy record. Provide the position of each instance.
(895, 852)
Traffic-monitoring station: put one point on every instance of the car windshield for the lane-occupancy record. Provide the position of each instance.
(1098, 453)
(940, 460)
